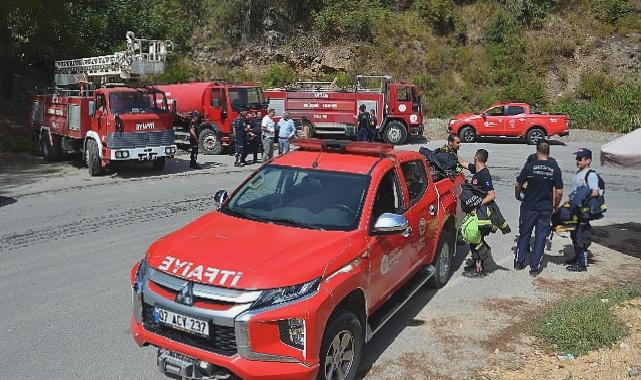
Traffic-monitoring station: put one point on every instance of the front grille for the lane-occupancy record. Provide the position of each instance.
(129, 140)
(222, 339)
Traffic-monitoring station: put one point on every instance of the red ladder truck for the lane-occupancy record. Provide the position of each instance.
(87, 112)
(322, 108)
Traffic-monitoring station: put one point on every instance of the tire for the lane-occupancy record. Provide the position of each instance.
(342, 325)
(209, 142)
(49, 152)
(395, 133)
(94, 163)
(534, 135)
(159, 163)
(443, 260)
(467, 134)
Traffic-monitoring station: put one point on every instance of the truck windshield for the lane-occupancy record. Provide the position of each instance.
(314, 199)
(244, 98)
(137, 102)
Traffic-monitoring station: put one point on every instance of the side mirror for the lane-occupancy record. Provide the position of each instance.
(219, 198)
(484, 115)
(389, 224)
(92, 108)
(215, 103)
(223, 113)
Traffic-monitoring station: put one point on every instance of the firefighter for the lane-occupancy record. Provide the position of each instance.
(544, 192)
(587, 180)
(373, 124)
(453, 145)
(240, 130)
(194, 124)
(363, 121)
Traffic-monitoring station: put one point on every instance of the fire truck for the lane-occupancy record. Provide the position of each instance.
(219, 103)
(322, 108)
(87, 112)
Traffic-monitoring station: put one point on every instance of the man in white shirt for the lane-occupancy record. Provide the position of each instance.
(286, 131)
(267, 126)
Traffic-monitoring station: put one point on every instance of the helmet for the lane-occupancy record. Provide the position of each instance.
(362, 107)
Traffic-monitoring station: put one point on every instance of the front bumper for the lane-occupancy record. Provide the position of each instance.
(416, 130)
(140, 154)
(243, 368)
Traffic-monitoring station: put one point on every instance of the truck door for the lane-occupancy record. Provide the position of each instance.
(494, 123)
(421, 213)
(99, 120)
(388, 253)
(400, 100)
(514, 120)
(217, 107)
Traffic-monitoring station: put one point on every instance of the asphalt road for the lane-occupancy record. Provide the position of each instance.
(67, 242)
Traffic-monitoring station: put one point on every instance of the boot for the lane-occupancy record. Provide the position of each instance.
(576, 268)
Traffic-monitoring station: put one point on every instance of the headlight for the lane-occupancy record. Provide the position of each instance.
(272, 297)
(452, 121)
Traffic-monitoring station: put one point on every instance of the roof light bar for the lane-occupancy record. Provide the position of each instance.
(340, 146)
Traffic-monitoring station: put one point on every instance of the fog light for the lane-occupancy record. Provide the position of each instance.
(292, 332)
(169, 150)
(125, 154)
(118, 155)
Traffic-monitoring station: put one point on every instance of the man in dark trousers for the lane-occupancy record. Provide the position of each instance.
(253, 144)
(240, 131)
(585, 178)
(194, 123)
(544, 192)
(373, 124)
(362, 123)
(482, 183)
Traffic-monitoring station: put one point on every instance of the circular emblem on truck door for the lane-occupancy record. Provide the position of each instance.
(402, 107)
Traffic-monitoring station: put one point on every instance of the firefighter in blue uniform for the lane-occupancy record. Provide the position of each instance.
(240, 132)
(194, 123)
(363, 120)
(544, 192)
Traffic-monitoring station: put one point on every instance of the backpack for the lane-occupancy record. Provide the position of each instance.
(594, 207)
(469, 198)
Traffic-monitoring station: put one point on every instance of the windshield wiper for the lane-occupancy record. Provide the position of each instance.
(295, 223)
(240, 214)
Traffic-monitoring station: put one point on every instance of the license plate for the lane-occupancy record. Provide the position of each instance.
(181, 322)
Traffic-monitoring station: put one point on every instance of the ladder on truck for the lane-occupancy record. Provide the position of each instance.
(143, 57)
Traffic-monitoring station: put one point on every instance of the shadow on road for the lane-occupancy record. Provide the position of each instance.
(622, 237)
(405, 317)
(512, 140)
(144, 169)
(5, 201)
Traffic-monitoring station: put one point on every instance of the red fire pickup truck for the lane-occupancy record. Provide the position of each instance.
(300, 266)
(508, 119)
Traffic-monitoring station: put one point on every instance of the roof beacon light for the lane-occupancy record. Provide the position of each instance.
(340, 146)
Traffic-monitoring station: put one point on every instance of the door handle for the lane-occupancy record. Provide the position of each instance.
(407, 232)
(432, 210)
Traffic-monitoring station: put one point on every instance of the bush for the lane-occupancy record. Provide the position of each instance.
(528, 12)
(581, 325)
(350, 20)
(611, 10)
(439, 14)
(278, 75)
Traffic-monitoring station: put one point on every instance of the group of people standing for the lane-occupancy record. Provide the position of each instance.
(253, 134)
(539, 188)
(366, 124)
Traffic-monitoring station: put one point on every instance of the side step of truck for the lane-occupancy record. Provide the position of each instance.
(396, 302)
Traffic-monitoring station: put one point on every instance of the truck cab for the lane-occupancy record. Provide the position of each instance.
(219, 103)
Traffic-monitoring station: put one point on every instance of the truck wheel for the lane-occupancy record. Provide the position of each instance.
(159, 163)
(49, 152)
(443, 260)
(340, 352)
(467, 134)
(395, 133)
(209, 142)
(534, 135)
(93, 159)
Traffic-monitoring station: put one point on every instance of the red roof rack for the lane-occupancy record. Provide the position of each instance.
(341, 146)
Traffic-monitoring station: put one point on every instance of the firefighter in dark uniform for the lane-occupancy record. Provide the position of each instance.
(240, 132)
(362, 124)
(373, 125)
(194, 123)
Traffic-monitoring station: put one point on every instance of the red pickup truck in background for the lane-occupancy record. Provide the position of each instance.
(508, 119)
(300, 266)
